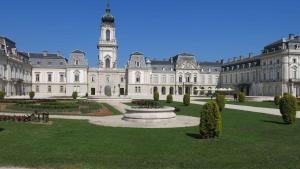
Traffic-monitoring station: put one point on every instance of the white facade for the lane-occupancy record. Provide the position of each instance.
(274, 72)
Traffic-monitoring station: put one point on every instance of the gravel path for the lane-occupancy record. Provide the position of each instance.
(271, 111)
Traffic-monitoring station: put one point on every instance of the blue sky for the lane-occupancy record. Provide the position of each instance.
(210, 30)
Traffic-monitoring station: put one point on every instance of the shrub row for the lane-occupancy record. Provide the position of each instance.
(15, 118)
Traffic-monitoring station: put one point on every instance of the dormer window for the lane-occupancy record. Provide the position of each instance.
(49, 63)
(61, 63)
(38, 62)
(163, 69)
(137, 64)
(76, 62)
(107, 35)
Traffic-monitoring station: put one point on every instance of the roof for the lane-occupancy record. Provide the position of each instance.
(78, 51)
(136, 53)
(160, 62)
(206, 63)
(44, 56)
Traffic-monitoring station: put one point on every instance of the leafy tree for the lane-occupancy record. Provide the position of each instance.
(169, 98)
(241, 97)
(31, 95)
(74, 95)
(210, 121)
(2, 95)
(186, 99)
(288, 108)
(277, 100)
(156, 96)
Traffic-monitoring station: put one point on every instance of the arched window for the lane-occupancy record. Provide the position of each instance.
(76, 76)
(107, 62)
(295, 73)
(163, 90)
(138, 77)
(107, 35)
(171, 90)
(180, 79)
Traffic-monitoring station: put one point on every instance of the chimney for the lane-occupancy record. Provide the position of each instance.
(222, 61)
(234, 59)
(241, 57)
(291, 36)
(45, 53)
(229, 60)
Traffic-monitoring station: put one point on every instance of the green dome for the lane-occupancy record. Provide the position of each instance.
(108, 18)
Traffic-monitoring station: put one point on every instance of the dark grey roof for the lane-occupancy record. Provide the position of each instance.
(206, 63)
(137, 53)
(78, 51)
(45, 56)
(160, 62)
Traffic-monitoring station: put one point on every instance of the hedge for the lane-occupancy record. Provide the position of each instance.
(169, 98)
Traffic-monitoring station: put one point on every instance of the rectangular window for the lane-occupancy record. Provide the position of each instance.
(37, 77)
(49, 89)
(49, 77)
(122, 79)
(164, 79)
(76, 62)
(37, 89)
(195, 79)
(62, 77)
(62, 90)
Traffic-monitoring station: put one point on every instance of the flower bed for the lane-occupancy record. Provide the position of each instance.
(150, 104)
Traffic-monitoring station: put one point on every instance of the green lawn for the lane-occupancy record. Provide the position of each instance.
(250, 140)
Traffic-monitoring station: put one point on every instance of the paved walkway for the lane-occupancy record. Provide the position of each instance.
(271, 111)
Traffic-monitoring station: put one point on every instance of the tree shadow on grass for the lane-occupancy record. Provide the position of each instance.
(1, 129)
(274, 122)
(194, 136)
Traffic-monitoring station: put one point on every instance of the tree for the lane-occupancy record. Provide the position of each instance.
(169, 98)
(210, 121)
(241, 97)
(2, 95)
(31, 95)
(186, 99)
(288, 108)
(220, 100)
(156, 96)
(74, 95)
(277, 100)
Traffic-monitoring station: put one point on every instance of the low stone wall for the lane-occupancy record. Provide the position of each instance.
(143, 114)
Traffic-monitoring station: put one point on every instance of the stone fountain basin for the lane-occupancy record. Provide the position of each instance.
(145, 114)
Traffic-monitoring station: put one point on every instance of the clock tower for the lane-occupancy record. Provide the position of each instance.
(108, 46)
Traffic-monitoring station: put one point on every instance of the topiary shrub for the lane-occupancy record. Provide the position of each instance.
(156, 96)
(186, 99)
(31, 95)
(288, 108)
(2, 95)
(241, 97)
(74, 95)
(169, 98)
(220, 100)
(210, 121)
(276, 100)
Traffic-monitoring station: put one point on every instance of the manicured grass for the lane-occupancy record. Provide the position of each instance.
(250, 140)
(111, 108)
